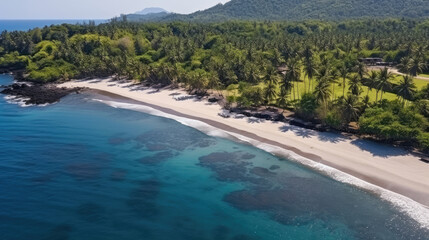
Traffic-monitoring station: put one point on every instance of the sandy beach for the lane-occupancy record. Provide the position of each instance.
(390, 168)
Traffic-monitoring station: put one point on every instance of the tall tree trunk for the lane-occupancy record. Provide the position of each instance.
(305, 85)
(297, 89)
(344, 87)
(293, 90)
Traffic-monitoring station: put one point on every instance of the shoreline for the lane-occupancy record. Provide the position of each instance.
(392, 169)
(415, 210)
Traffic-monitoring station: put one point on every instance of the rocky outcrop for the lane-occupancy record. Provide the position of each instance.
(38, 94)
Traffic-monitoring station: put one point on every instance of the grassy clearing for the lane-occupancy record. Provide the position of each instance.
(338, 91)
(300, 88)
(420, 83)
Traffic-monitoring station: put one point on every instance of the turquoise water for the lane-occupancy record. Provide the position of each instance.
(24, 25)
(80, 169)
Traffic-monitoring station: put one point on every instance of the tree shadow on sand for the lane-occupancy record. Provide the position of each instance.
(378, 149)
(330, 137)
(138, 88)
(300, 132)
(255, 120)
(308, 133)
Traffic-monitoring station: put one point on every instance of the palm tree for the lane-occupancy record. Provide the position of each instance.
(403, 65)
(271, 77)
(412, 66)
(293, 73)
(384, 81)
(360, 69)
(333, 78)
(282, 100)
(406, 88)
(355, 85)
(310, 71)
(365, 103)
(322, 91)
(415, 66)
(214, 82)
(350, 108)
(326, 73)
(252, 75)
(307, 53)
(419, 52)
(309, 65)
(372, 81)
(270, 93)
(344, 72)
(277, 58)
(287, 83)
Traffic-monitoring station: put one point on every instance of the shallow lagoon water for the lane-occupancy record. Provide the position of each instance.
(81, 169)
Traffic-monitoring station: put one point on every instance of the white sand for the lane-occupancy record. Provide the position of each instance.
(387, 167)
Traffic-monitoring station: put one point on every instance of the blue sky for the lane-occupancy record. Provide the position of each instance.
(93, 9)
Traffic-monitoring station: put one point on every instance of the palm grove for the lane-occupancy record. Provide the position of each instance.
(310, 67)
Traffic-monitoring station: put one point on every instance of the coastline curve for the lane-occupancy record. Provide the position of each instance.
(417, 211)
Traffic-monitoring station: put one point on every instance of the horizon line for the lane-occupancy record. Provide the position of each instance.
(59, 19)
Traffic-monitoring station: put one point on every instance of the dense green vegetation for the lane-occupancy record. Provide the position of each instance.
(310, 67)
(307, 9)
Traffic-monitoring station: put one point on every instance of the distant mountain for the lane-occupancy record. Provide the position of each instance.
(152, 17)
(151, 11)
(147, 14)
(308, 9)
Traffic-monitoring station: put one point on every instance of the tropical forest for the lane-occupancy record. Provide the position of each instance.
(315, 69)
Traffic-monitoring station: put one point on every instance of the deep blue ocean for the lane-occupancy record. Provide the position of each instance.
(24, 25)
(80, 169)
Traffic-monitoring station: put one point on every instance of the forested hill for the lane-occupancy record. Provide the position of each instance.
(309, 9)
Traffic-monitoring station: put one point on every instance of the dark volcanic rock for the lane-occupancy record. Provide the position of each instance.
(213, 100)
(177, 139)
(265, 114)
(38, 94)
(227, 166)
(262, 172)
(234, 167)
(206, 143)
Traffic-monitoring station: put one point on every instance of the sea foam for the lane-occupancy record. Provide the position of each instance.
(415, 210)
(21, 101)
(17, 100)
